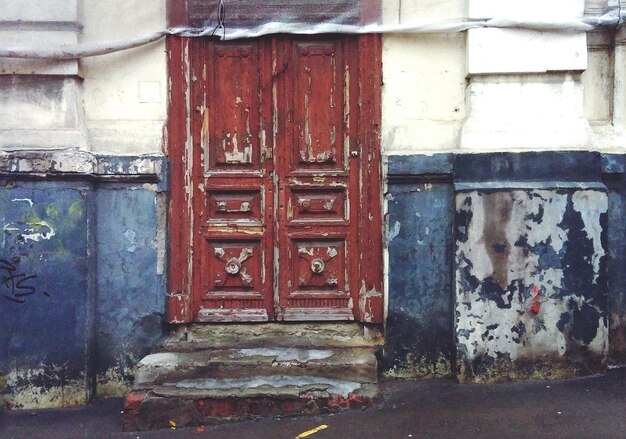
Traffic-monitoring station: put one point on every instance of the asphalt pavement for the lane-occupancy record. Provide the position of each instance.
(591, 407)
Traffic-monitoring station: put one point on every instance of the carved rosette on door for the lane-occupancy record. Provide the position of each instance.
(276, 179)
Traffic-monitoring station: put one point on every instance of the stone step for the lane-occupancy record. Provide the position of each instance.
(205, 401)
(352, 364)
(308, 335)
(281, 386)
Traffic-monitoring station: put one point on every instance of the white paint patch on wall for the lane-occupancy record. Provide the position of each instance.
(482, 267)
(32, 231)
(394, 231)
(38, 230)
(591, 205)
(25, 200)
(130, 238)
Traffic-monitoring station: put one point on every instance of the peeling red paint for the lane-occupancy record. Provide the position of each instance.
(303, 205)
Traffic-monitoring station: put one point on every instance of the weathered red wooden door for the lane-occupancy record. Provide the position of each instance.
(282, 181)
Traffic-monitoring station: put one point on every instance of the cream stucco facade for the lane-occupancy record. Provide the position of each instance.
(481, 89)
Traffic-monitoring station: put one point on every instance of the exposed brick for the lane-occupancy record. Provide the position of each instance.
(156, 411)
(355, 400)
(134, 400)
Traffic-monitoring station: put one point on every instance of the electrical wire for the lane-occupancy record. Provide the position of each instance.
(221, 16)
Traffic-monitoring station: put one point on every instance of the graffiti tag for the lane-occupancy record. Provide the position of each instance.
(16, 286)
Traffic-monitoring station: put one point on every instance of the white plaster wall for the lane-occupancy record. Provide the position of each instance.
(525, 51)
(423, 101)
(125, 92)
(410, 11)
(538, 103)
(40, 100)
(38, 10)
(491, 89)
(603, 91)
(527, 8)
(36, 36)
(34, 23)
(537, 112)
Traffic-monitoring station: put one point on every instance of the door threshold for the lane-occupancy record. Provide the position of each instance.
(215, 335)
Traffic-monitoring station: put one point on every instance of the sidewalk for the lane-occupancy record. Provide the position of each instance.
(593, 407)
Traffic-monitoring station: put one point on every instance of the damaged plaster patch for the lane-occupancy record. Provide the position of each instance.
(285, 354)
(116, 381)
(421, 367)
(513, 248)
(130, 237)
(394, 231)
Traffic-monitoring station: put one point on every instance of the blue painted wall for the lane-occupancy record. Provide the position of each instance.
(422, 325)
(130, 280)
(613, 168)
(83, 263)
(46, 293)
(82, 283)
(419, 327)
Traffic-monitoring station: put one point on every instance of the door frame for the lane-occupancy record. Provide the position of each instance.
(179, 150)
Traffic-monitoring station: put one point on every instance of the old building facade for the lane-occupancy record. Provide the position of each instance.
(448, 180)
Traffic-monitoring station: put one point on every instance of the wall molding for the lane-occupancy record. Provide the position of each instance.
(74, 164)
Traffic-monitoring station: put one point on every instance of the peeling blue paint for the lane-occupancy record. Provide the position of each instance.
(577, 249)
(45, 296)
(131, 291)
(614, 166)
(74, 303)
(419, 325)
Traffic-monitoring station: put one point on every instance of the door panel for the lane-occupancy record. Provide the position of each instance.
(316, 105)
(276, 182)
(233, 119)
(317, 180)
(233, 190)
(311, 205)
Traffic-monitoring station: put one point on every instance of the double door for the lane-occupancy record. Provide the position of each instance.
(284, 218)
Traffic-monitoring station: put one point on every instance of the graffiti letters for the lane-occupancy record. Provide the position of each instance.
(16, 286)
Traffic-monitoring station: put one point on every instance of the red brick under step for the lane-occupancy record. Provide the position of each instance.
(147, 411)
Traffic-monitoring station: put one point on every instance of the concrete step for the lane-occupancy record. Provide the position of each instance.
(309, 335)
(206, 401)
(352, 364)
(281, 386)
(210, 373)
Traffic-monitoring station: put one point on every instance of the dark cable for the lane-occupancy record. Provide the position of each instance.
(221, 16)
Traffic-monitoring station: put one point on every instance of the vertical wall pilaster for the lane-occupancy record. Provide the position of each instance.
(619, 84)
